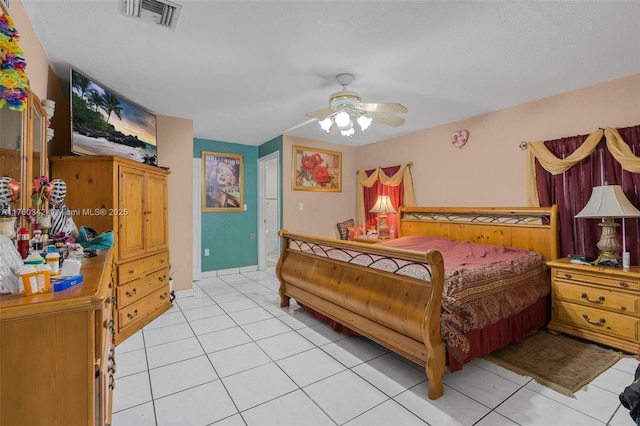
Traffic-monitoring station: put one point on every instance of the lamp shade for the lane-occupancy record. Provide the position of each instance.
(608, 201)
(383, 205)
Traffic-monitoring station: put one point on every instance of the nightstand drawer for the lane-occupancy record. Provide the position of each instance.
(597, 278)
(598, 297)
(596, 320)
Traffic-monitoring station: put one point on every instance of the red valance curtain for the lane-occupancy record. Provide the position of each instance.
(572, 189)
(395, 181)
(395, 193)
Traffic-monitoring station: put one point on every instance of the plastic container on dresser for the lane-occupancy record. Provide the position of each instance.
(600, 304)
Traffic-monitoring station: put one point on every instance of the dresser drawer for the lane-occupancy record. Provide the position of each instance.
(598, 297)
(142, 308)
(597, 278)
(132, 270)
(135, 290)
(596, 320)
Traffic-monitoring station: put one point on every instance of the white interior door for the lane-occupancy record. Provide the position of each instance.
(269, 216)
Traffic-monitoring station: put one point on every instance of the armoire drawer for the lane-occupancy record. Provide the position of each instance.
(135, 290)
(131, 270)
(598, 297)
(596, 320)
(142, 308)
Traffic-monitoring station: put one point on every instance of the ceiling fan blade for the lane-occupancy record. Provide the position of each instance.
(320, 113)
(384, 107)
(384, 118)
(297, 126)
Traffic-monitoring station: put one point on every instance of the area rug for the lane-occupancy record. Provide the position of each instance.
(558, 362)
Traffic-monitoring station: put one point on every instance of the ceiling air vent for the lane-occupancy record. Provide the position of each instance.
(160, 12)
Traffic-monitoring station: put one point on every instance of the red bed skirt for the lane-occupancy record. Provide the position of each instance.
(494, 336)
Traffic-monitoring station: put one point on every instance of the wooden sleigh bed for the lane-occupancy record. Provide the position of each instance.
(409, 301)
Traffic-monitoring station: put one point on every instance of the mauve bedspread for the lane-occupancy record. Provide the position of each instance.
(483, 284)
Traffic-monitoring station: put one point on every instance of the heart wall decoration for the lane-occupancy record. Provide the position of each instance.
(460, 138)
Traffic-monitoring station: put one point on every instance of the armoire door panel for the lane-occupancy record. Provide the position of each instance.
(131, 222)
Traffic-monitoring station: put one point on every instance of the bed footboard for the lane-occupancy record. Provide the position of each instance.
(391, 296)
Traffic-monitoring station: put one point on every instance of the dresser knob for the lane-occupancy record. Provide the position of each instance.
(623, 284)
(129, 294)
(586, 297)
(567, 275)
(132, 315)
(599, 323)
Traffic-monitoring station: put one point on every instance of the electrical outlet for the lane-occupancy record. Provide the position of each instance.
(206, 252)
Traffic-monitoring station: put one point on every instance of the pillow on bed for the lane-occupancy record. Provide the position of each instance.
(343, 228)
(355, 231)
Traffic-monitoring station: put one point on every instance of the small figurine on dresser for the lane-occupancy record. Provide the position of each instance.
(9, 194)
(62, 224)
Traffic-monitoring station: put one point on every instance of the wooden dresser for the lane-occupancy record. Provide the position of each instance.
(130, 198)
(57, 356)
(596, 303)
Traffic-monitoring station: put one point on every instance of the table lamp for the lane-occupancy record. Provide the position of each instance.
(383, 206)
(608, 202)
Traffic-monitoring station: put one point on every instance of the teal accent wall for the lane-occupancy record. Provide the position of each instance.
(231, 237)
(274, 145)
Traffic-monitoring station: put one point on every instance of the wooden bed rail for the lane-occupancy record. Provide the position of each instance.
(398, 311)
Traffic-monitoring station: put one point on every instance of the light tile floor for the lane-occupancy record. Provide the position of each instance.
(230, 355)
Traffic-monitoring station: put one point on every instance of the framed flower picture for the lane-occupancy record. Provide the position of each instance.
(222, 186)
(316, 170)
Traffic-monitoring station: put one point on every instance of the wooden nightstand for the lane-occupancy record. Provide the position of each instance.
(596, 303)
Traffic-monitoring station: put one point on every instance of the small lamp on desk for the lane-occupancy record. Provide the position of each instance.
(383, 206)
(608, 202)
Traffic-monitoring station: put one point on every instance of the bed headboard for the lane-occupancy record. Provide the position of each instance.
(532, 228)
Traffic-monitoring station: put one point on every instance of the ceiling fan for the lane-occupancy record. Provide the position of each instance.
(346, 108)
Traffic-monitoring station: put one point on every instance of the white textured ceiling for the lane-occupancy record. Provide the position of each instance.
(244, 71)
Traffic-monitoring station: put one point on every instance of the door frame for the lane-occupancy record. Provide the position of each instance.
(262, 182)
(197, 219)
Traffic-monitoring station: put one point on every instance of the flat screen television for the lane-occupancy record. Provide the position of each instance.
(105, 123)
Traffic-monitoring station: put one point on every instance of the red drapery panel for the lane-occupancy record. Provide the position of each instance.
(395, 193)
(572, 189)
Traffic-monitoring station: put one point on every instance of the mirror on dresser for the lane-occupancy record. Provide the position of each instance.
(23, 149)
(38, 118)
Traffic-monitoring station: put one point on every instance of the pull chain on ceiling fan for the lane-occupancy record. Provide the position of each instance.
(346, 108)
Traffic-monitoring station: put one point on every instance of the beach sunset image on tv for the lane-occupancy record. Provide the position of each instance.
(105, 123)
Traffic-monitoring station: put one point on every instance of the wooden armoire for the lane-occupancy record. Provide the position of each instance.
(113, 193)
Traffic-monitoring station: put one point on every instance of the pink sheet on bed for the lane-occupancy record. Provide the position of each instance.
(483, 284)
(456, 254)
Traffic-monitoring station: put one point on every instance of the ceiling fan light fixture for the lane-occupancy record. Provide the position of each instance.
(343, 121)
(364, 122)
(326, 124)
(349, 132)
(346, 109)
